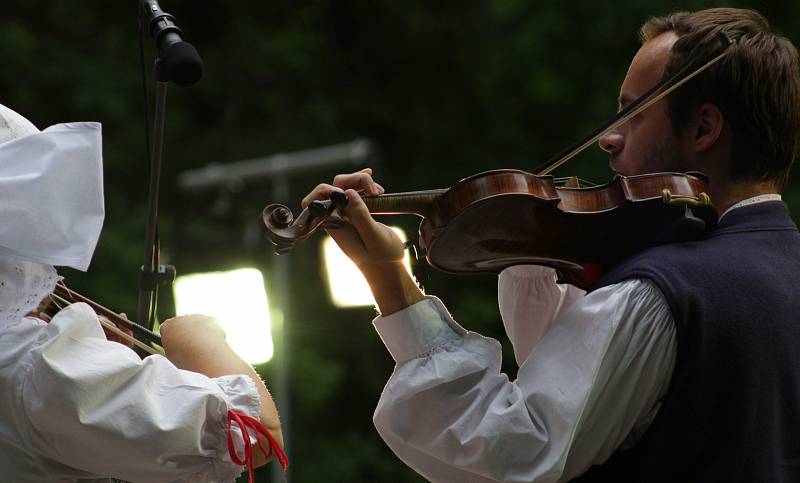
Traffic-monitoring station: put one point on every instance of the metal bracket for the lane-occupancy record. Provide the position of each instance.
(702, 199)
(164, 275)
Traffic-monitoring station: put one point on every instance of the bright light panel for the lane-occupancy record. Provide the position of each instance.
(238, 300)
(348, 288)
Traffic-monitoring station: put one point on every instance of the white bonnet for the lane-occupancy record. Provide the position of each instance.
(13, 125)
(51, 191)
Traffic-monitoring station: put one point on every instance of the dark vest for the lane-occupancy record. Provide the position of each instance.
(732, 411)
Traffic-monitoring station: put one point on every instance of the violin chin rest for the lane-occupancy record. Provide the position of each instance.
(686, 228)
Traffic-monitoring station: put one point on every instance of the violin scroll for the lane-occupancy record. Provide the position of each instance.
(283, 230)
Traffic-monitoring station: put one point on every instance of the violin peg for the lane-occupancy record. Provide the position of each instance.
(317, 208)
(280, 216)
(339, 199)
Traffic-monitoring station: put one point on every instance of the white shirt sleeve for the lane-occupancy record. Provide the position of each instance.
(530, 301)
(593, 381)
(95, 409)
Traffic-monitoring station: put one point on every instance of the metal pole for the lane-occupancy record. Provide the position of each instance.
(354, 153)
(147, 284)
(281, 280)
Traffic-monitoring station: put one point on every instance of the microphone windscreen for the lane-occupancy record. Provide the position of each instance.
(183, 64)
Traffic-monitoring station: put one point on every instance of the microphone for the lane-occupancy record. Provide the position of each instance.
(181, 61)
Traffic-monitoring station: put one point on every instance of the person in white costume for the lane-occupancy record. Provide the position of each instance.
(75, 405)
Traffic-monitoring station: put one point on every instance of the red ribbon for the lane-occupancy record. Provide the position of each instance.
(244, 421)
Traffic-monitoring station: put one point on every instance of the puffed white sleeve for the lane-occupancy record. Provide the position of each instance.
(591, 383)
(530, 302)
(96, 410)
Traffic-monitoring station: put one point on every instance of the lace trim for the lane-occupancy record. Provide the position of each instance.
(23, 286)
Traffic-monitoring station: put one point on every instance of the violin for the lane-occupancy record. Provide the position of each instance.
(496, 219)
(493, 220)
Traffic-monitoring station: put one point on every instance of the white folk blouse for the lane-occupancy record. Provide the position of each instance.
(76, 406)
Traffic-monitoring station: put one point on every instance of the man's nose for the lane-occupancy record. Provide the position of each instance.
(612, 142)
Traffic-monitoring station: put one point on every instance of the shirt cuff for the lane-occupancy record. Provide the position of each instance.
(418, 329)
(241, 394)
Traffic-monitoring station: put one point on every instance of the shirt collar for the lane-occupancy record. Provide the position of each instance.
(751, 201)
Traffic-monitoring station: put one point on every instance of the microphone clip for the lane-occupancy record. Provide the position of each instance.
(178, 61)
(160, 24)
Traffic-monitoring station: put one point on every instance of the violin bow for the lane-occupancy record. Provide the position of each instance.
(62, 294)
(653, 95)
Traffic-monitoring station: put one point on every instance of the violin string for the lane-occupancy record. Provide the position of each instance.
(582, 183)
(113, 328)
(57, 300)
(75, 297)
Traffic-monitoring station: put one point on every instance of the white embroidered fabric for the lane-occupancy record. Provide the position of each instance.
(23, 285)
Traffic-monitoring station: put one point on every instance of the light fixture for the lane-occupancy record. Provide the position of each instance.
(238, 300)
(346, 285)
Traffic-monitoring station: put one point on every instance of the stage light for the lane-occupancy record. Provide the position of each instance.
(238, 300)
(346, 285)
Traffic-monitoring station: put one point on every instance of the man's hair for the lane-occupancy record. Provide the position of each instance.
(756, 86)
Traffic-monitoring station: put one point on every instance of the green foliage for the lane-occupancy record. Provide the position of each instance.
(444, 89)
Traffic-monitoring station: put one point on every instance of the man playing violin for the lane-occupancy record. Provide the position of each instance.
(682, 362)
(75, 405)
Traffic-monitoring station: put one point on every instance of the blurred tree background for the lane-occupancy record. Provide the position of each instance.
(443, 89)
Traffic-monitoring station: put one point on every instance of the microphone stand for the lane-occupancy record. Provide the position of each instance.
(152, 273)
(178, 62)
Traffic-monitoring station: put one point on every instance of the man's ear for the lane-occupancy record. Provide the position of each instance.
(706, 127)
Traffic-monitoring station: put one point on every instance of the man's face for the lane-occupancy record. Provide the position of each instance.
(646, 143)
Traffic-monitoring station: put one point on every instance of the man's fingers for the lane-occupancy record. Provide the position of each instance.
(348, 240)
(362, 233)
(358, 230)
(369, 230)
(359, 181)
(323, 191)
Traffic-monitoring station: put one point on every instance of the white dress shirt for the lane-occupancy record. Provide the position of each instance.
(592, 371)
(76, 406)
(591, 384)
